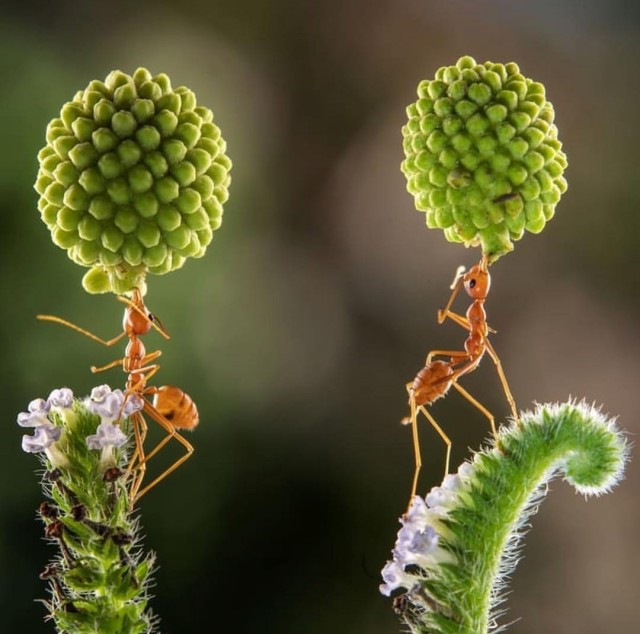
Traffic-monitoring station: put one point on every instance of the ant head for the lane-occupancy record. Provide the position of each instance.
(477, 282)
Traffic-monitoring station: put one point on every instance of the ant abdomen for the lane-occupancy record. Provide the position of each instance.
(176, 406)
(432, 382)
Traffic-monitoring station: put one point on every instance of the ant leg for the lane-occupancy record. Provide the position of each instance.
(82, 331)
(503, 380)
(139, 432)
(455, 287)
(150, 357)
(170, 429)
(148, 370)
(481, 407)
(416, 446)
(102, 368)
(444, 436)
(458, 319)
(453, 354)
(407, 419)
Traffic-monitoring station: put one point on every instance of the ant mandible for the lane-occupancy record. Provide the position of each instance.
(172, 408)
(435, 379)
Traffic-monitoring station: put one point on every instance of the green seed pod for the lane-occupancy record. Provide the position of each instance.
(482, 157)
(132, 179)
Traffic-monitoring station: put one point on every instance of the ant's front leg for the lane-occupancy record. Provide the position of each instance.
(456, 356)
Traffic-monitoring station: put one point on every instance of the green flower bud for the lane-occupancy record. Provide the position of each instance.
(132, 179)
(482, 158)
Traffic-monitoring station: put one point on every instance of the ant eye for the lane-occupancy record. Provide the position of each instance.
(472, 282)
(150, 317)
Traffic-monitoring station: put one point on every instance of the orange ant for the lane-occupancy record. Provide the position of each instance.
(172, 408)
(435, 379)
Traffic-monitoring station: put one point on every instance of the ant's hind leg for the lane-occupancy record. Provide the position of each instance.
(503, 380)
(442, 435)
(416, 447)
(481, 407)
(154, 414)
(137, 462)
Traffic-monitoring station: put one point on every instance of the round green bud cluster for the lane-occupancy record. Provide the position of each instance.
(132, 179)
(482, 155)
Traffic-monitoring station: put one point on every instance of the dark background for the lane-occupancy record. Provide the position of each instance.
(316, 301)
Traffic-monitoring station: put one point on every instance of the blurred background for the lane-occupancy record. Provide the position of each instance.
(316, 302)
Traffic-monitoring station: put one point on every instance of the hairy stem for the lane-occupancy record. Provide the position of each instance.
(480, 515)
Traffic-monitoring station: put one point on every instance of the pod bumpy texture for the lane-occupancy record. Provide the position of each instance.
(482, 155)
(132, 179)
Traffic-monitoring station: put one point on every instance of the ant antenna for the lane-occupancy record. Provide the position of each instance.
(460, 271)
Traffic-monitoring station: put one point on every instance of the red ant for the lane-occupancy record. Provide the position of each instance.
(435, 379)
(172, 408)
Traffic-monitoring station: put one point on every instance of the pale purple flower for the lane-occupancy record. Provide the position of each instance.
(417, 514)
(108, 435)
(62, 398)
(113, 405)
(437, 498)
(451, 482)
(43, 437)
(37, 415)
(465, 470)
(109, 407)
(395, 577)
(418, 547)
(98, 393)
(133, 403)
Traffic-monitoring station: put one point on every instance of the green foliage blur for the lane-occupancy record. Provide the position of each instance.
(316, 301)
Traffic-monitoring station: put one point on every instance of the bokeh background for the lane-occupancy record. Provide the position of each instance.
(316, 301)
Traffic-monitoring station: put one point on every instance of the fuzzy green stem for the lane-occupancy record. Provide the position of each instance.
(485, 518)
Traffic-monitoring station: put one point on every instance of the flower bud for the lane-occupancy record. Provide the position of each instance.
(132, 179)
(482, 157)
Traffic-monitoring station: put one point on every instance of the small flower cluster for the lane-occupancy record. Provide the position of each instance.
(418, 549)
(47, 418)
(40, 416)
(110, 406)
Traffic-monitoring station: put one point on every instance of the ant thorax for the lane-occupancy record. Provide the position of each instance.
(477, 316)
(134, 354)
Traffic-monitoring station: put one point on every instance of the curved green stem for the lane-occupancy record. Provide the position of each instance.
(479, 516)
